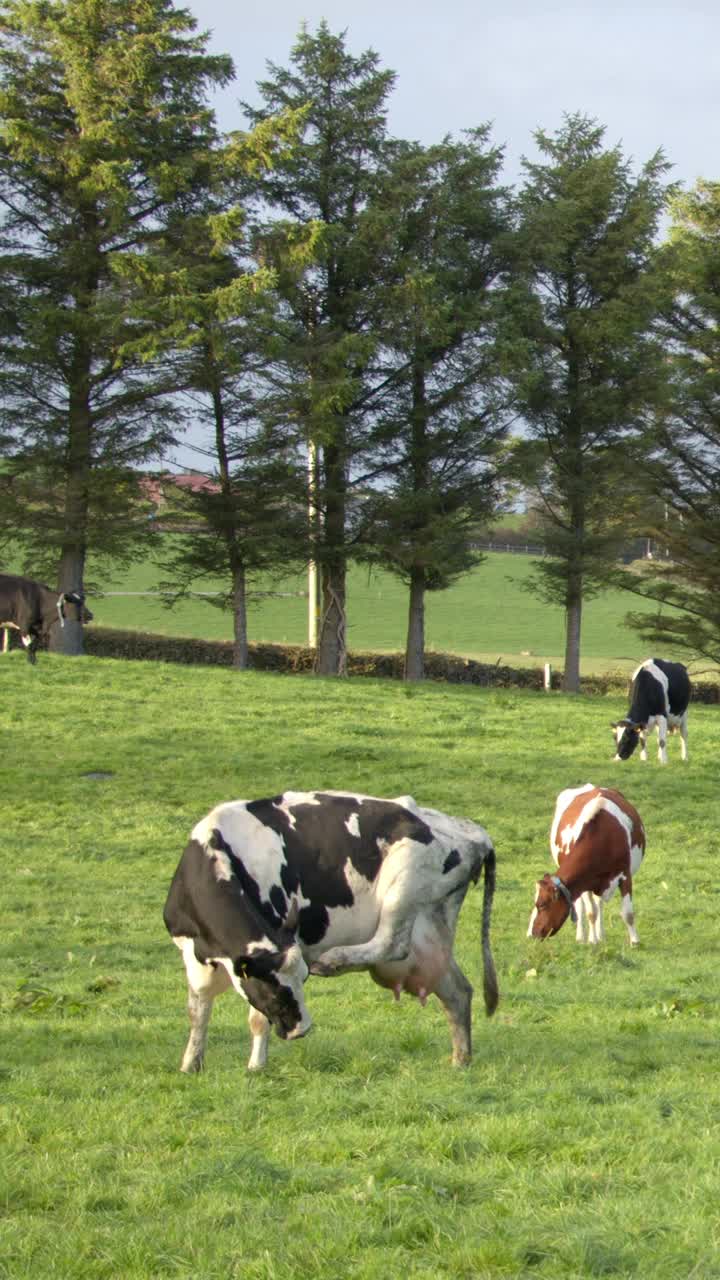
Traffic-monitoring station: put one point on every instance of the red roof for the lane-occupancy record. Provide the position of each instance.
(154, 487)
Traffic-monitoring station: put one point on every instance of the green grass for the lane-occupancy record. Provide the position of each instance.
(583, 1141)
(489, 615)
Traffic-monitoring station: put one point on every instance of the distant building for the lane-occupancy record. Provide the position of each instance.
(157, 487)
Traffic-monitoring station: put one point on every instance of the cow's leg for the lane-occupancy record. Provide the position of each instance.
(455, 995)
(390, 942)
(30, 643)
(643, 744)
(683, 736)
(596, 927)
(407, 885)
(205, 982)
(628, 914)
(662, 727)
(581, 911)
(260, 1032)
(199, 1011)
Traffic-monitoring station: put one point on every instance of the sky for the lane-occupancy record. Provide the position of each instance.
(648, 71)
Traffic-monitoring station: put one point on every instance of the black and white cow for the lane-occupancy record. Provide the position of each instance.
(659, 699)
(31, 608)
(326, 882)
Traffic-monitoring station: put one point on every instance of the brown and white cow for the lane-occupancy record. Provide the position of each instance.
(326, 882)
(597, 842)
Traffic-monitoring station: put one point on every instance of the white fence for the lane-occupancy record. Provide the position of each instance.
(517, 548)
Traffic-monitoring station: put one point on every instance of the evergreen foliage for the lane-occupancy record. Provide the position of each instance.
(592, 366)
(106, 132)
(328, 337)
(354, 319)
(685, 462)
(205, 306)
(440, 411)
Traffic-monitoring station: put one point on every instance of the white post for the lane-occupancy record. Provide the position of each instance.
(547, 676)
(312, 605)
(313, 577)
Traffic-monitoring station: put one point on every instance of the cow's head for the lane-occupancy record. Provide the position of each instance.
(272, 980)
(552, 907)
(627, 735)
(78, 611)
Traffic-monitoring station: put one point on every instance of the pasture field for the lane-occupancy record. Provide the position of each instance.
(488, 615)
(583, 1140)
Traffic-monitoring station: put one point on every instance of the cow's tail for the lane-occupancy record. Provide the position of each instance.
(490, 986)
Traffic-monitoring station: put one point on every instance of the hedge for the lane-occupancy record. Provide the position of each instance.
(107, 642)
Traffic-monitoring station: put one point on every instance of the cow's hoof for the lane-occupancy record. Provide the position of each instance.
(320, 970)
(192, 1068)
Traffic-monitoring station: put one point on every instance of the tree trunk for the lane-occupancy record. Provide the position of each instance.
(331, 658)
(240, 635)
(229, 531)
(573, 621)
(332, 647)
(415, 644)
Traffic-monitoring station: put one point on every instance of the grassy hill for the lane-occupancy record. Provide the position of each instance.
(488, 615)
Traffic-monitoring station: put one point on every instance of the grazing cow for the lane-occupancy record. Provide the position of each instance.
(659, 698)
(326, 882)
(31, 608)
(597, 842)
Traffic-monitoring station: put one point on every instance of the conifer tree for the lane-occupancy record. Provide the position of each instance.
(205, 308)
(325, 345)
(592, 367)
(441, 404)
(251, 517)
(106, 131)
(683, 462)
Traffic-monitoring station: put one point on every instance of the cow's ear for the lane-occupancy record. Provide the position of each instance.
(613, 724)
(261, 964)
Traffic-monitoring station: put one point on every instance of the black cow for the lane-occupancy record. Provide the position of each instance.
(659, 698)
(326, 882)
(31, 608)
